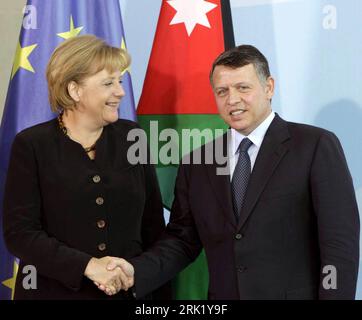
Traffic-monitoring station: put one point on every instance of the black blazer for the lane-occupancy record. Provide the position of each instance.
(300, 214)
(61, 208)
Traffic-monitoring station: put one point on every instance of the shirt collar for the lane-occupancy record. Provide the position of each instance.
(256, 136)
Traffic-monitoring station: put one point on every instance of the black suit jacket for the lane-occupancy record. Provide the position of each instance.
(53, 220)
(299, 215)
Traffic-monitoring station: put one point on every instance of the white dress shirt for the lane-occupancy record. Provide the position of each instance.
(256, 137)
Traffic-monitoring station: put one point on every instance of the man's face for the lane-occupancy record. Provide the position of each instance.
(242, 100)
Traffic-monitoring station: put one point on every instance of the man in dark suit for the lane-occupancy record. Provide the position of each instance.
(283, 222)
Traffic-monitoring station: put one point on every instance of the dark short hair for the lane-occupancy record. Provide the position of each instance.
(241, 56)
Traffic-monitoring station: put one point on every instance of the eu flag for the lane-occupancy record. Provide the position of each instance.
(45, 25)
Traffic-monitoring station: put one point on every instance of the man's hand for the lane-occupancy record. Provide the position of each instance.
(125, 267)
(109, 280)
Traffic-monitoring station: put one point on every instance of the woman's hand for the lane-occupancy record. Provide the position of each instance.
(111, 281)
(126, 268)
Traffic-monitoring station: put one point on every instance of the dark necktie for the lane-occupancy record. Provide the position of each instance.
(241, 176)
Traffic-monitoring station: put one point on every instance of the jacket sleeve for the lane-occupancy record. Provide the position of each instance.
(338, 219)
(153, 223)
(24, 234)
(178, 246)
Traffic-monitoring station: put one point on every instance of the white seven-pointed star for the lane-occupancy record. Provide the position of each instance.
(191, 12)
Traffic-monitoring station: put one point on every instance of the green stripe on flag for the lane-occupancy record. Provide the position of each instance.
(196, 276)
(178, 123)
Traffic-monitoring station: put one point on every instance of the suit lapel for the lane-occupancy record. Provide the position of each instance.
(270, 154)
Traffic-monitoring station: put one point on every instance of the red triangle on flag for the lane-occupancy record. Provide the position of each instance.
(177, 79)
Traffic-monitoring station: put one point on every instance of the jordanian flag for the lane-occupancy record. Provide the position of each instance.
(177, 94)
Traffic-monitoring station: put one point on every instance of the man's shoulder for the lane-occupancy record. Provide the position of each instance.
(209, 153)
(307, 131)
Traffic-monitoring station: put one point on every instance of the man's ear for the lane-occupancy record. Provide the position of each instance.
(269, 87)
(73, 90)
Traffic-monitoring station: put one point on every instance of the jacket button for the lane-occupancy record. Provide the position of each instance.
(101, 224)
(241, 269)
(102, 247)
(99, 201)
(238, 236)
(96, 178)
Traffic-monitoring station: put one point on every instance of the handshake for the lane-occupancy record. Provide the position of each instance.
(110, 274)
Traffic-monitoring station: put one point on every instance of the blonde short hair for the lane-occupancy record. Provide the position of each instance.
(76, 59)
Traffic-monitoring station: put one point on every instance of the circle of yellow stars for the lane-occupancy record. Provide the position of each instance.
(10, 283)
(22, 54)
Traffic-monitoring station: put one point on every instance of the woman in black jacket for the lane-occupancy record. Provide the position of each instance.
(72, 198)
